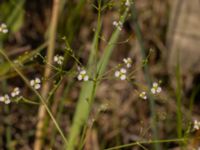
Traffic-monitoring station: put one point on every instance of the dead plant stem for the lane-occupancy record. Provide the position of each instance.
(47, 72)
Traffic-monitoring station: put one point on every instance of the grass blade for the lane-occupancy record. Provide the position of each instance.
(89, 88)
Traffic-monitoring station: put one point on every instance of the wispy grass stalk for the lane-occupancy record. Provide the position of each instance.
(47, 73)
(60, 110)
(147, 76)
(8, 127)
(192, 98)
(8, 132)
(183, 140)
(11, 20)
(72, 24)
(179, 117)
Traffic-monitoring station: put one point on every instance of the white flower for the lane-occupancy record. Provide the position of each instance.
(156, 88)
(83, 75)
(196, 125)
(35, 83)
(58, 59)
(143, 95)
(128, 62)
(121, 74)
(127, 3)
(1, 98)
(3, 28)
(5, 99)
(118, 25)
(15, 92)
(115, 23)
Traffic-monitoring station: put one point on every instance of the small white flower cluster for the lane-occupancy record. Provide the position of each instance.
(36, 83)
(143, 95)
(6, 98)
(3, 28)
(128, 3)
(15, 92)
(128, 62)
(118, 25)
(196, 125)
(121, 74)
(156, 89)
(83, 75)
(58, 59)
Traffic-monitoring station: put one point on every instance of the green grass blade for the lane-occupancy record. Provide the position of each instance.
(88, 90)
(15, 19)
(178, 100)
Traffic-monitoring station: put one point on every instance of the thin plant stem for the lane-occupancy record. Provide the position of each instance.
(28, 101)
(178, 101)
(89, 88)
(147, 77)
(147, 142)
(80, 118)
(8, 127)
(192, 98)
(47, 72)
(60, 110)
(8, 132)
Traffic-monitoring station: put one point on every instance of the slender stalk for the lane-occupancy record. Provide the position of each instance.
(14, 14)
(47, 73)
(73, 20)
(8, 132)
(148, 142)
(147, 76)
(192, 98)
(28, 101)
(60, 110)
(89, 88)
(178, 100)
(8, 127)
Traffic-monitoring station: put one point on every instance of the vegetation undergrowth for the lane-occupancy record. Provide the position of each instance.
(87, 88)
